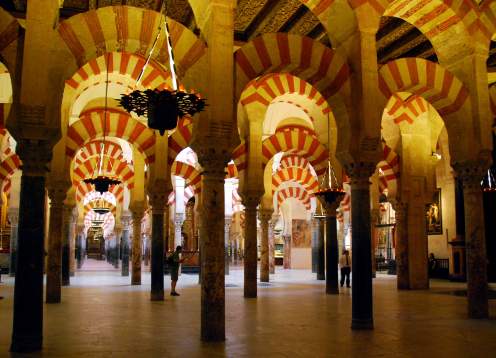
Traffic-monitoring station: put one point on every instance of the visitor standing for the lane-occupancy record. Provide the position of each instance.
(174, 261)
(345, 265)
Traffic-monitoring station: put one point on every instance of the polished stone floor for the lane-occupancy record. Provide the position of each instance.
(102, 315)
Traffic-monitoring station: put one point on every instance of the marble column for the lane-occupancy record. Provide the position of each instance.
(117, 253)
(272, 244)
(125, 219)
(138, 210)
(320, 264)
(178, 223)
(315, 233)
(287, 251)
(79, 247)
(264, 216)
(250, 252)
(66, 248)
(158, 201)
(401, 248)
(212, 254)
(227, 228)
(57, 193)
(72, 242)
(27, 331)
(13, 215)
(362, 307)
(471, 174)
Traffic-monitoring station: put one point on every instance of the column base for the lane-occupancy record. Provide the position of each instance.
(213, 337)
(250, 293)
(136, 283)
(125, 274)
(157, 296)
(362, 324)
(264, 279)
(320, 277)
(66, 283)
(332, 291)
(53, 300)
(26, 344)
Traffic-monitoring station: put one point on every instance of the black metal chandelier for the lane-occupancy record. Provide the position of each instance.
(103, 182)
(163, 107)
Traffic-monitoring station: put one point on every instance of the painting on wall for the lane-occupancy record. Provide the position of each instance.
(433, 217)
(301, 234)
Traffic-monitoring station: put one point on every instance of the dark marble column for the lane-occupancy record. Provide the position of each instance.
(320, 248)
(138, 211)
(66, 248)
(72, 241)
(227, 228)
(158, 201)
(57, 193)
(401, 249)
(125, 245)
(272, 244)
(27, 331)
(287, 251)
(212, 254)
(79, 249)
(264, 216)
(13, 215)
(362, 307)
(315, 234)
(250, 258)
(471, 174)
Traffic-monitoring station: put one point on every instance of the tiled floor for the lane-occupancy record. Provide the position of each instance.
(102, 315)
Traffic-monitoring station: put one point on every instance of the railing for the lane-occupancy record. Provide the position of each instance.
(440, 269)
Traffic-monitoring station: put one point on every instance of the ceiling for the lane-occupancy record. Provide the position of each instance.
(395, 38)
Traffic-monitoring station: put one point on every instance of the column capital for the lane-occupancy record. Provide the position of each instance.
(57, 192)
(35, 155)
(265, 215)
(158, 201)
(251, 198)
(471, 173)
(125, 221)
(213, 160)
(137, 209)
(360, 173)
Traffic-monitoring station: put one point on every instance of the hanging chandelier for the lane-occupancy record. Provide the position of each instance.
(103, 182)
(488, 183)
(101, 206)
(163, 107)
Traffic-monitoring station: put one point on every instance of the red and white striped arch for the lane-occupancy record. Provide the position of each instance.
(179, 139)
(118, 124)
(296, 140)
(303, 57)
(295, 161)
(123, 68)
(298, 175)
(266, 89)
(128, 29)
(83, 189)
(294, 192)
(111, 167)
(406, 108)
(390, 167)
(188, 173)
(189, 192)
(93, 149)
(423, 78)
(108, 222)
(9, 165)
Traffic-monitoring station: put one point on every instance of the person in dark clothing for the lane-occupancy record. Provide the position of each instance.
(174, 261)
(345, 265)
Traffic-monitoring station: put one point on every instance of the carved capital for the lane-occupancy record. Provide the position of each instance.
(158, 201)
(360, 173)
(126, 221)
(137, 209)
(36, 155)
(264, 215)
(213, 161)
(57, 192)
(471, 173)
(251, 198)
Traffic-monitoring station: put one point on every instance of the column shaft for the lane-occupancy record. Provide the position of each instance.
(320, 249)
(401, 249)
(27, 332)
(212, 253)
(227, 227)
(157, 241)
(332, 255)
(250, 257)
(13, 214)
(125, 252)
(136, 253)
(66, 248)
(265, 216)
(272, 246)
(362, 315)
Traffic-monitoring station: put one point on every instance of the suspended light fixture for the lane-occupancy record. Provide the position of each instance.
(163, 107)
(101, 206)
(488, 182)
(99, 180)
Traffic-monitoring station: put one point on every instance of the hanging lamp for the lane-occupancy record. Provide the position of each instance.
(99, 180)
(162, 107)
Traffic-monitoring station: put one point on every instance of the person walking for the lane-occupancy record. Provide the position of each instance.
(345, 265)
(174, 261)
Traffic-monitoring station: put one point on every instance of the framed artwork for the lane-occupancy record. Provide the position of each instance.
(301, 234)
(433, 215)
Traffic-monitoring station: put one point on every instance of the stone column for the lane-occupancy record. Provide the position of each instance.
(178, 223)
(125, 220)
(264, 216)
(471, 175)
(72, 242)
(287, 251)
(401, 249)
(117, 238)
(138, 210)
(272, 244)
(27, 331)
(362, 307)
(250, 255)
(315, 233)
(332, 253)
(66, 248)
(158, 200)
(320, 264)
(212, 246)
(13, 215)
(79, 246)
(57, 193)
(227, 227)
